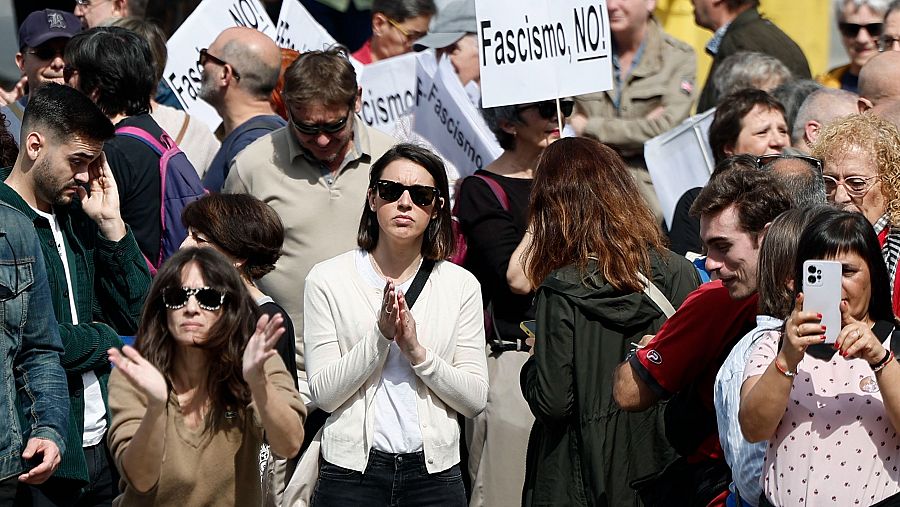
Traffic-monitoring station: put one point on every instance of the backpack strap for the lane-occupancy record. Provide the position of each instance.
(142, 135)
(656, 295)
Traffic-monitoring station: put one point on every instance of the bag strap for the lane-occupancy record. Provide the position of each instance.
(143, 135)
(656, 295)
(184, 127)
(498, 191)
(418, 282)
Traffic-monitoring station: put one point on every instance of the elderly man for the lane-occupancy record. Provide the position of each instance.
(42, 37)
(861, 174)
(890, 37)
(737, 26)
(860, 24)
(653, 89)
(879, 82)
(819, 109)
(95, 12)
(240, 70)
(314, 173)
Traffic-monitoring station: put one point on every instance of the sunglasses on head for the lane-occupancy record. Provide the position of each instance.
(852, 29)
(547, 108)
(765, 160)
(390, 191)
(315, 129)
(207, 297)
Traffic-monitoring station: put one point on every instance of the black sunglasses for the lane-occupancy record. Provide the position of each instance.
(207, 297)
(421, 195)
(206, 57)
(315, 129)
(47, 52)
(852, 29)
(547, 108)
(764, 160)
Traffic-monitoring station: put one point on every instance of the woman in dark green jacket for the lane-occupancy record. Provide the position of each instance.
(595, 243)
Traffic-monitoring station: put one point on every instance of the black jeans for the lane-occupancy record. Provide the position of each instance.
(395, 480)
(102, 489)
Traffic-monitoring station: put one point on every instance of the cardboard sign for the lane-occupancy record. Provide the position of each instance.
(388, 91)
(533, 50)
(679, 160)
(444, 115)
(200, 29)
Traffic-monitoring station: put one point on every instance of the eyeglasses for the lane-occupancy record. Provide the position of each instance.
(411, 36)
(888, 42)
(765, 160)
(207, 297)
(421, 195)
(315, 129)
(547, 108)
(68, 72)
(851, 30)
(856, 186)
(46, 52)
(85, 3)
(206, 57)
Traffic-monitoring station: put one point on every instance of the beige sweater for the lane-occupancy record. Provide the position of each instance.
(197, 469)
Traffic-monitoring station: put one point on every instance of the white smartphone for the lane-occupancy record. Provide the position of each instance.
(822, 294)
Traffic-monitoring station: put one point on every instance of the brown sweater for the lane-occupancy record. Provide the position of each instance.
(197, 469)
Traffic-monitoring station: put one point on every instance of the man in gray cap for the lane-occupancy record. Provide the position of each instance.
(453, 35)
(42, 37)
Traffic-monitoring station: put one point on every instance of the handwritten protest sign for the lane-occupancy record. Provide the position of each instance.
(388, 91)
(533, 50)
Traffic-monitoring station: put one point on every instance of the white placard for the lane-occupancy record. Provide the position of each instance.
(444, 115)
(198, 31)
(533, 50)
(388, 91)
(679, 160)
(298, 30)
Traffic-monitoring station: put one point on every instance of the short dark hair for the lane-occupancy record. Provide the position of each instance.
(734, 5)
(117, 64)
(737, 181)
(835, 232)
(65, 112)
(438, 242)
(324, 77)
(730, 112)
(401, 10)
(494, 116)
(241, 226)
(155, 37)
(9, 150)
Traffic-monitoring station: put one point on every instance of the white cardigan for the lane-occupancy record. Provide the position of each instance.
(345, 352)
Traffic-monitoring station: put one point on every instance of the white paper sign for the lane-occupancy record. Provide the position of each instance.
(198, 31)
(388, 91)
(679, 160)
(444, 115)
(298, 30)
(533, 50)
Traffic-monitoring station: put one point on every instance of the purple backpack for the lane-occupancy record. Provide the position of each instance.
(179, 185)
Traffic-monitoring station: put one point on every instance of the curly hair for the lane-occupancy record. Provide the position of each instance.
(9, 151)
(225, 341)
(585, 205)
(869, 134)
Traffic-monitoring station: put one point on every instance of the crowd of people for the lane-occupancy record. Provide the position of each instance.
(339, 316)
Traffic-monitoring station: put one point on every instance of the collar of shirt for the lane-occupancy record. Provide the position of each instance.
(881, 224)
(712, 47)
(617, 69)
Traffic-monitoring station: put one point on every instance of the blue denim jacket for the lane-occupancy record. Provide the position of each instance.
(34, 397)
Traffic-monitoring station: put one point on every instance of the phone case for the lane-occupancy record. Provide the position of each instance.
(822, 294)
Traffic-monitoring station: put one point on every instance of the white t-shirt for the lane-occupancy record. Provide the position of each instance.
(94, 409)
(396, 418)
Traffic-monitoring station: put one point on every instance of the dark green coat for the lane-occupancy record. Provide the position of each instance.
(583, 449)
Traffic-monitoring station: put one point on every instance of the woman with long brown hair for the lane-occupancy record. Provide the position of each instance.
(594, 249)
(193, 399)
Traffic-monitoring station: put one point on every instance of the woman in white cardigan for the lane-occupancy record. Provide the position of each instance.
(394, 345)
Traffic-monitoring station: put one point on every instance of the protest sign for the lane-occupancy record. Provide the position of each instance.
(445, 117)
(679, 160)
(298, 30)
(388, 91)
(533, 50)
(182, 72)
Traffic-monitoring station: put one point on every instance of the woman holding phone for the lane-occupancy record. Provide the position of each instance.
(830, 412)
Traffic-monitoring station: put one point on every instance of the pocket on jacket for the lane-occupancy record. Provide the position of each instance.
(16, 277)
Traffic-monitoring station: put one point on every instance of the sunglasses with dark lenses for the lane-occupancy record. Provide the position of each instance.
(547, 108)
(390, 191)
(206, 57)
(328, 128)
(47, 52)
(207, 297)
(852, 29)
(764, 160)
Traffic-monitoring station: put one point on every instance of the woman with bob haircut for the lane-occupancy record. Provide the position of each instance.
(394, 341)
(194, 399)
(595, 247)
(830, 412)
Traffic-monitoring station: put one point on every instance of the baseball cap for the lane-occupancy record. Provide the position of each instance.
(41, 26)
(451, 23)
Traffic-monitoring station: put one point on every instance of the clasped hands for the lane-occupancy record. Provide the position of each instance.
(396, 322)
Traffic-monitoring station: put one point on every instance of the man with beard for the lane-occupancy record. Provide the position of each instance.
(314, 173)
(240, 70)
(98, 278)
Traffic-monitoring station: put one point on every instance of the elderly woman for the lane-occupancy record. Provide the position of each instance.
(396, 25)
(830, 413)
(860, 23)
(492, 208)
(195, 398)
(600, 289)
(394, 341)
